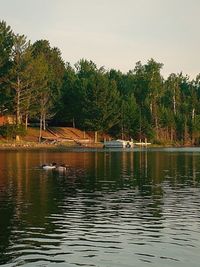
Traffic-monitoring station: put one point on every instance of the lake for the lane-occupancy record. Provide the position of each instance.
(126, 208)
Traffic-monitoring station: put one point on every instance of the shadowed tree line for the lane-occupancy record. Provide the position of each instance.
(37, 85)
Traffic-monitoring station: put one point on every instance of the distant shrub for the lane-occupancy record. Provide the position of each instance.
(10, 131)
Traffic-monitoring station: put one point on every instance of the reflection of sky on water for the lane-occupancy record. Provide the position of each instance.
(112, 206)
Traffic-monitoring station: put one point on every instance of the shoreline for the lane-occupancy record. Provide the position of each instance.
(31, 146)
(12, 146)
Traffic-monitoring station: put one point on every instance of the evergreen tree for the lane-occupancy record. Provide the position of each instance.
(20, 75)
(6, 44)
(54, 69)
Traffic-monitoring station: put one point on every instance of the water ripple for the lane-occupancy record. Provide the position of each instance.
(127, 211)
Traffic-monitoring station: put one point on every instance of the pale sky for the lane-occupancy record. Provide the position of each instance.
(113, 33)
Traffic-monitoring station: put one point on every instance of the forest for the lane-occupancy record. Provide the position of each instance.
(37, 85)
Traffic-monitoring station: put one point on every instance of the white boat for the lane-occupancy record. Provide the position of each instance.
(118, 144)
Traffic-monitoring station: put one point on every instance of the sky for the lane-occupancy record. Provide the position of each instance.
(113, 33)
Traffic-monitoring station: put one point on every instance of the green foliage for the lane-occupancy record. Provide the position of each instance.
(100, 99)
(6, 44)
(130, 116)
(50, 83)
(196, 125)
(10, 131)
(68, 111)
(20, 75)
(36, 83)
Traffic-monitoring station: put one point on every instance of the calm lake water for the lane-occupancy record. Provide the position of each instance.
(112, 208)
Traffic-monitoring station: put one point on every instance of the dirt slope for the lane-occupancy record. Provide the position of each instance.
(56, 133)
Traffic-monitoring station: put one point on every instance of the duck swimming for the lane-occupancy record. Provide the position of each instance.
(61, 168)
(49, 166)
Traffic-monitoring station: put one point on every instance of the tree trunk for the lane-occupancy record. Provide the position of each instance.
(193, 114)
(17, 138)
(193, 138)
(26, 121)
(151, 108)
(171, 133)
(44, 121)
(73, 123)
(185, 133)
(122, 133)
(95, 136)
(155, 117)
(18, 119)
(193, 121)
(156, 124)
(40, 134)
(174, 101)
